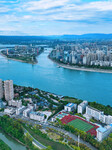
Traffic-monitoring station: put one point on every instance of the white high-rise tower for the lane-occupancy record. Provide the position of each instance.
(8, 90)
(1, 89)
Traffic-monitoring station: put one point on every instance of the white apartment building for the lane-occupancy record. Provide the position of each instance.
(20, 110)
(28, 100)
(1, 89)
(14, 103)
(108, 119)
(70, 107)
(8, 90)
(9, 111)
(37, 116)
(103, 132)
(26, 112)
(95, 113)
(82, 107)
(98, 115)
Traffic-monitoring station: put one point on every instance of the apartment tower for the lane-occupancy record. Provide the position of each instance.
(8, 90)
(1, 89)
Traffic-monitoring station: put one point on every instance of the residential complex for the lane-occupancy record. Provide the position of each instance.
(87, 54)
(30, 111)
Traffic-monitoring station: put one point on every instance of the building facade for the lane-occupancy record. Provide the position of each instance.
(14, 103)
(70, 107)
(98, 115)
(1, 89)
(82, 107)
(95, 113)
(103, 132)
(26, 112)
(37, 116)
(8, 90)
(20, 110)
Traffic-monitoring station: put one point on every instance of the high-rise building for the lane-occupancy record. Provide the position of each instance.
(1, 89)
(8, 90)
(82, 107)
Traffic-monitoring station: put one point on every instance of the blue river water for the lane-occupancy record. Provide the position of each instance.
(47, 76)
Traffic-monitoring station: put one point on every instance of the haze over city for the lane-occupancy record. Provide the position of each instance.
(55, 17)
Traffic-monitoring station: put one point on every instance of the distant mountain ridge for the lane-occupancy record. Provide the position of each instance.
(88, 36)
(93, 36)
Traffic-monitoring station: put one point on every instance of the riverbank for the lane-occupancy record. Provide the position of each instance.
(13, 138)
(66, 66)
(4, 146)
(17, 59)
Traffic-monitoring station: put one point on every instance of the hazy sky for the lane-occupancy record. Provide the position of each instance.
(55, 17)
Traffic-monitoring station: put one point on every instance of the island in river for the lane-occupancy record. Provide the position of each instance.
(23, 53)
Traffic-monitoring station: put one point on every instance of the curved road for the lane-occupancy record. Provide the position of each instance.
(74, 137)
(35, 142)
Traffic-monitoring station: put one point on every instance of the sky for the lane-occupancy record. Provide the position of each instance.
(55, 17)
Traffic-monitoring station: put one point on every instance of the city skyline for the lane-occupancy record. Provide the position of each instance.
(55, 17)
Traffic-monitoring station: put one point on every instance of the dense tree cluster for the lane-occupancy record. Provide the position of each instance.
(105, 145)
(107, 109)
(12, 127)
(4, 146)
(15, 130)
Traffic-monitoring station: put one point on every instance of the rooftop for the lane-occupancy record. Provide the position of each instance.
(94, 109)
(37, 113)
(111, 124)
(101, 129)
(83, 103)
(70, 104)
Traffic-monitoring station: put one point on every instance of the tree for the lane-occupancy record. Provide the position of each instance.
(49, 148)
(28, 139)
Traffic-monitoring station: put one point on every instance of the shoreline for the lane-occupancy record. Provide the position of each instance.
(14, 138)
(17, 59)
(81, 69)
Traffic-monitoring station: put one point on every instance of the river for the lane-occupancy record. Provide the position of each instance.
(14, 145)
(45, 75)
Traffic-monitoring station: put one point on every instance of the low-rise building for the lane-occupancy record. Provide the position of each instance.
(32, 106)
(28, 100)
(1, 104)
(103, 132)
(108, 119)
(20, 110)
(26, 112)
(9, 111)
(70, 107)
(82, 107)
(47, 113)
(37, 116)
(14, 103)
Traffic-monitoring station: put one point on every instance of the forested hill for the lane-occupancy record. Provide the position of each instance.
(18, 39)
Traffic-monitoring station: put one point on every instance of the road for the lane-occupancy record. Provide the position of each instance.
(35, 142)
(47, 125)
